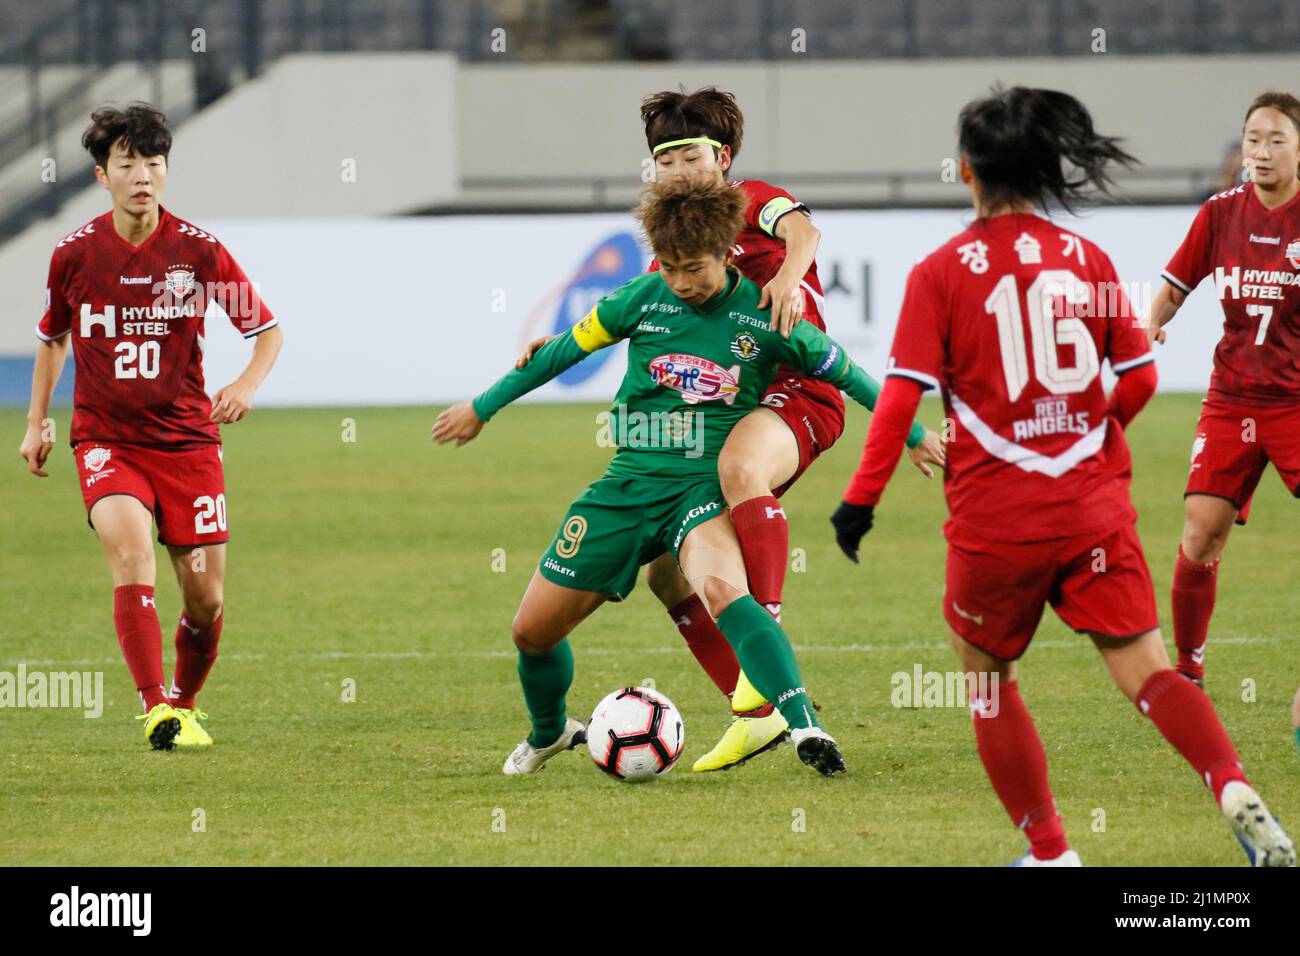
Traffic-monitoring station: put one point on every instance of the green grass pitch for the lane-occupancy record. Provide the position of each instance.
(373, 562)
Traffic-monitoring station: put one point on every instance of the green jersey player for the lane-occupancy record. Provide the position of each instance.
(700, 355)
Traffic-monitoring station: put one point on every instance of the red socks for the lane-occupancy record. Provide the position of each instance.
(139, 634)
(706, 642)
(1184, 715)
(1193, 601)
(765, 543)
(1013, 755)
(196, 652)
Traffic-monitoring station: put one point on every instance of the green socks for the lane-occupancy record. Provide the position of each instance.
(768, 659)
(546, 679)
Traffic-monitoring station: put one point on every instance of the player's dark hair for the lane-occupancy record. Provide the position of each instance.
(684, 220)
(676, 114)
(1019, 140)
(141, 129)
(1275, 99)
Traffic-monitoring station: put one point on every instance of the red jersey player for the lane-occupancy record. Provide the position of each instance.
(1248, 240)
(130, 290)
(697, 136)
(1012, 319)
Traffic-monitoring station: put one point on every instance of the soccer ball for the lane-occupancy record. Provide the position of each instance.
(635, 734)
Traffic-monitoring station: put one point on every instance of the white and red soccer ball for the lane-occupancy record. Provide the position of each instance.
(635, 734)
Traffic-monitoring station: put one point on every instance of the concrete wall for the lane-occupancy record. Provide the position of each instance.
(828, 117)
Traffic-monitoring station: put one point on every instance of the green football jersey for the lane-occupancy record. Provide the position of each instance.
(692, 372)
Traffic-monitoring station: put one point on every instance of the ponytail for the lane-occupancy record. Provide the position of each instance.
(1018, 142)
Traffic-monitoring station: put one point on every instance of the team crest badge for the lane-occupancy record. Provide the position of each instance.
(97, 457)
(1293, 253)
(180, 282)
(744, 346)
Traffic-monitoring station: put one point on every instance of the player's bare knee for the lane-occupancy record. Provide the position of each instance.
(132, 563)
(202, 610)
(742, 477)
(529, 636)
(667, 583)
(1202, 541)
(718, 594)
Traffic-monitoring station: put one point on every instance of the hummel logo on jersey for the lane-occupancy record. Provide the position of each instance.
(136, 280)
(185, 229)
(81, 233)
(977, 618)
(1270, 240)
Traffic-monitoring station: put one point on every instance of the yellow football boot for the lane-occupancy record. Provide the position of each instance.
(746, 737)
(192, 733)
(161, 725)
(745, 698)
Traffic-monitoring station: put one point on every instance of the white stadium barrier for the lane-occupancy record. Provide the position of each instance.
(432, 310)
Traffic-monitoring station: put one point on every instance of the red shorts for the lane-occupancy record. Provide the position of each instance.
(1098, 583)
(184, 490)
(1234, 443)
(814, 410)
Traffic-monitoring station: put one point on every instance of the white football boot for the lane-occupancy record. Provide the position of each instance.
(529, 759)
(818, 749)
(1257, 830)
(1068, 858)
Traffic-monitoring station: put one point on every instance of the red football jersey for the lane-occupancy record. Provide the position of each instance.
(136, 317)
(1012, 319)
(1254, 255)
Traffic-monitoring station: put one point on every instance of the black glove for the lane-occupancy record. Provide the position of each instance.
(851, 523)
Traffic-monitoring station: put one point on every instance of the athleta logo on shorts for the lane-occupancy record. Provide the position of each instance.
(96, 458)
(698, 379)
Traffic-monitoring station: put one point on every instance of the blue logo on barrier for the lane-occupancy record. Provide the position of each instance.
(613, 263)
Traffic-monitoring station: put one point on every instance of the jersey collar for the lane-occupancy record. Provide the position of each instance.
(1259, 204)
(163, 216)
(733, 283)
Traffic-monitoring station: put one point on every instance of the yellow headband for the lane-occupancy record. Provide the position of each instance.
(686, 142)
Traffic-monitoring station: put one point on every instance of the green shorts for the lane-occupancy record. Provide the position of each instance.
(619, 524)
